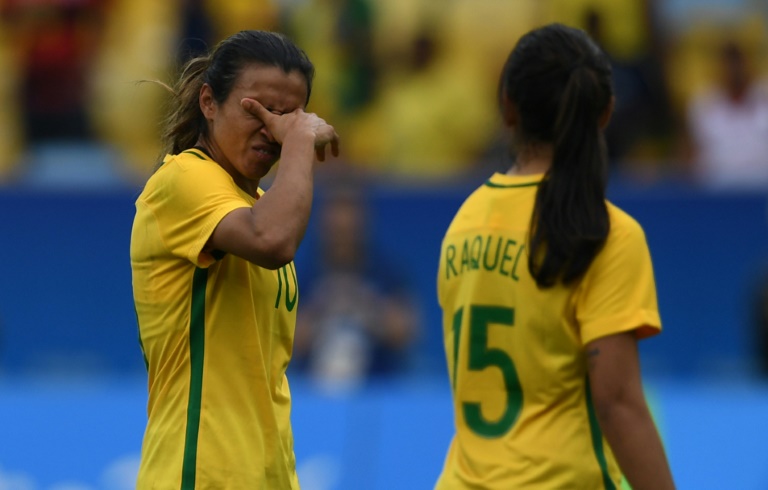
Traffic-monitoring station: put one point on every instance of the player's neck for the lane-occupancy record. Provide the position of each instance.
(532, 161)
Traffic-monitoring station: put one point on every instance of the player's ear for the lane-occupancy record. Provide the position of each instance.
(207, 102)
(605, 117)
(508, 111)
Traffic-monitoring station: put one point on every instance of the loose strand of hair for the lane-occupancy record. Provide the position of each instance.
(183, 123)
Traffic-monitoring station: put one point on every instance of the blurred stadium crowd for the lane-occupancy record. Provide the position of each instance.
(409, 84)
(411, 87)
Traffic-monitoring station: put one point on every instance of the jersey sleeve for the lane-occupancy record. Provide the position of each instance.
(618, 293)
(191, 200)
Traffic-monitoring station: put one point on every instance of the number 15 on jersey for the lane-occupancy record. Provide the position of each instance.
(481, 357)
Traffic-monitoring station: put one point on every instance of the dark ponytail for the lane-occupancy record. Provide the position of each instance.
(560, 83)
(185, 121)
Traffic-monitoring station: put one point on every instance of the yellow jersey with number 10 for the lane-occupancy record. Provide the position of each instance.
(217, 334)
(515, 353)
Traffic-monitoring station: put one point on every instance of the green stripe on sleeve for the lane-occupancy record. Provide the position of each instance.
(196, 352)
(597, 440)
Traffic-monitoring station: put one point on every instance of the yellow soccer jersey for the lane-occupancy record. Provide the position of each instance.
(217, 334)
(515, 353)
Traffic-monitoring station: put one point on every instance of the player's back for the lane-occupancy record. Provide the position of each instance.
(515, 354)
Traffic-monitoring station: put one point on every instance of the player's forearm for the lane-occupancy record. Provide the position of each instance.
(635, 442)
(286, 206)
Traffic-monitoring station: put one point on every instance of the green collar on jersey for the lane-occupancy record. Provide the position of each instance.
(507, 186)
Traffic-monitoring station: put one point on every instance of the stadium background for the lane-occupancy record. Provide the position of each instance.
(72, 381)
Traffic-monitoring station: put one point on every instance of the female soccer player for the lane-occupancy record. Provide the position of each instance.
(213, 278)
(545, 289)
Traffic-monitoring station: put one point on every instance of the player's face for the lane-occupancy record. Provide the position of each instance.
(239, 141)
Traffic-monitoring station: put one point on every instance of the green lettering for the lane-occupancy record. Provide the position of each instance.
(476, 250)
(517, 260)
(496, 256)
(506, 257)
(465, 257)
(450, 254)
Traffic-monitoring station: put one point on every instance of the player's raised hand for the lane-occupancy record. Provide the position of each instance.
(281, 126)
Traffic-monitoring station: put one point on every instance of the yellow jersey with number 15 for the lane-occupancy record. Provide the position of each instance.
(217, 334)
(515, 353)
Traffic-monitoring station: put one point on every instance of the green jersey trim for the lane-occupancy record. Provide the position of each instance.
(193, 152)
(597, 439)
(509, 186)
(196, 355)
(141, 344)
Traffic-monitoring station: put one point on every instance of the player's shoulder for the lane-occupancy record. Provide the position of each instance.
(191, 163)
(623, 225)
(186, 170)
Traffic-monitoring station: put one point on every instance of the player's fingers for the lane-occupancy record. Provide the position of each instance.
(320, 153)
(335, 144)
(254, 107)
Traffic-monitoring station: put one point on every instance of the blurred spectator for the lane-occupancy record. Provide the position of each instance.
(196, 31)
(11, 132)
(357, 318)
(354, 35)
(54, 46)
(431, 120)
(641, 123)
(728, 126)
(338, 35)
(231, 16)
(56, 41)
(145, 40)
(203, 23)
